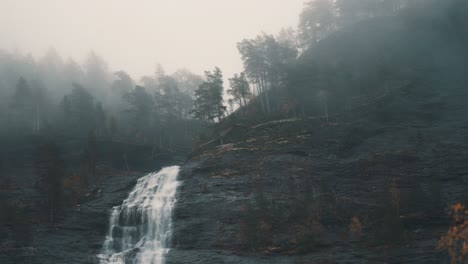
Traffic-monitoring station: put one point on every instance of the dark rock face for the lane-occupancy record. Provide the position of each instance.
(79, 236)
(288, 190)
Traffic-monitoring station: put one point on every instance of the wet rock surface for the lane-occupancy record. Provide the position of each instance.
(81, 232)
(288, 190)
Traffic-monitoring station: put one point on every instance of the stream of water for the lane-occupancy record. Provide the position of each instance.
(140, 228)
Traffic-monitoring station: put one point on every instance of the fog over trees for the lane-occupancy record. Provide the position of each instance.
(56, 95)
(51, 95)
(60, 95)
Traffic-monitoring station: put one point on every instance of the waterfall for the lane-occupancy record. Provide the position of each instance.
(140, 228)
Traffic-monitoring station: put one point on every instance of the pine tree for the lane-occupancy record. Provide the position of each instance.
(140, 107)
(22, 105)
(100, 120)
(240, 89)
(89, 159)
(217, 92)
(209, 102)
(202, 105)
(317, 21)
(113, 126)
(81, 106)
(50, 167)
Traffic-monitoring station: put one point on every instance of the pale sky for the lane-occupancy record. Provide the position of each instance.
(135, 35)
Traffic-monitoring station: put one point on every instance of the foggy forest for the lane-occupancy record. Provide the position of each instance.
(339, 138)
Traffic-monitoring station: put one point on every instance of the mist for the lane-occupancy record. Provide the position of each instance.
(136, 35)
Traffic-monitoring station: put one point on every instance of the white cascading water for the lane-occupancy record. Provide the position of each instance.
(140, 229)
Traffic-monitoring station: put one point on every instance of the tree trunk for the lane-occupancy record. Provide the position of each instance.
(265, 90)
(259, 95)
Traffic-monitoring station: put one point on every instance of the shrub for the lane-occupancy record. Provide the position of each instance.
(355, 227)
(456, 239)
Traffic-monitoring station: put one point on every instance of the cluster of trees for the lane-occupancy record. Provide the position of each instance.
(209, 102)
(266, 60)
(240, 89)
(31, 91)
(274, 74)
(321, 17)
(52, 96)
(51, 93)
(160, 109)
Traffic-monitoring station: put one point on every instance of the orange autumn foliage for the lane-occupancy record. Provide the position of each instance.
(76, 185)
(456, 239)
(355, 227)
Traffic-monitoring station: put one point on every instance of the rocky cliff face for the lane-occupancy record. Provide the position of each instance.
(79, 236)
(371, 190)
(361, 190)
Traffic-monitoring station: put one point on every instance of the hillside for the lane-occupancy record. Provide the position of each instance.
(371, 185)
